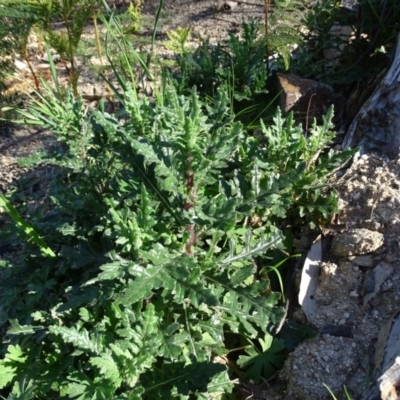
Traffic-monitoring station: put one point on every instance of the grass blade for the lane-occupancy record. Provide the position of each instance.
(28, 229)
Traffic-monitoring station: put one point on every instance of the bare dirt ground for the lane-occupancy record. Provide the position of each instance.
(359, 284)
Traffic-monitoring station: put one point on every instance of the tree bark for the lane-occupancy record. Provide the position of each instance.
(376, 127)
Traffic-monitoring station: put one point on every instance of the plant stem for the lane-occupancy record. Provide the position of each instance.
(35, 78)
(73, 73)
(98, 46)
(189, 203)
(267, 7)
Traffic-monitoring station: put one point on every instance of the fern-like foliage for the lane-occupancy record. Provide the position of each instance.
(14, 33)
(239, 66)
(178, 40)
(284, 29)
(21, 17)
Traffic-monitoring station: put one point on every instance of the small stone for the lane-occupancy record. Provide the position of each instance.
(20, 65)
(390, 258)
(356, 196)
(370, 224)
(353, 293)
(366, 260)
(227, 5)
(339, 173)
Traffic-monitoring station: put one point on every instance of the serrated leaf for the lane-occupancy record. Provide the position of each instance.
(248, 304)
(249, 252)
(172, 345)
(79, 338)
(68, 229)
(242, 274)
(7, 374)
(120, 353)
(144, 340)
(147, 150)
(17, 329)
(220, 212)
(112, 271)
(75, 390)
(84, 296)
(219, 386)
(107, 368)
(179, 277)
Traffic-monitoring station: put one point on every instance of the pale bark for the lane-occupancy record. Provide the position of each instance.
(376, 127)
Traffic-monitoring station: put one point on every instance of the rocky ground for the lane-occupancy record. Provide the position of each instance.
(358, 287)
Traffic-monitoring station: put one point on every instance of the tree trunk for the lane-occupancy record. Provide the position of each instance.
(376, 127)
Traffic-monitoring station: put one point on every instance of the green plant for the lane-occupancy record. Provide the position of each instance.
(334, 397)
(23, 225)
(240, 67)
(320, 19)
(75, 14)
(360, 55)
(154, 263)
(164, 276)
(17, 22)
(264, 361)
(283, 28)
(40, 15)
(135, 16)
(178, 40)
(154, 250)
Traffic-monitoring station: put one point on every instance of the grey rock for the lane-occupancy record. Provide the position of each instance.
(366, 260)
(356, 242)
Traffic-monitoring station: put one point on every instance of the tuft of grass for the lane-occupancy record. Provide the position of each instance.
(334, 397)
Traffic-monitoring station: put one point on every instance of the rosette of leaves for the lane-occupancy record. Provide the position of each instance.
(151, 268)
(155, 259)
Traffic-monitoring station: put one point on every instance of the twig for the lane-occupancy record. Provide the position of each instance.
(308, 110)
(35, 78)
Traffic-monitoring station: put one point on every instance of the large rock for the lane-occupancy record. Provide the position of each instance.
(307, 98)
(324, 360)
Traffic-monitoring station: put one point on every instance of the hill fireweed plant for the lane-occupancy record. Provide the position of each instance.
(155, 255)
